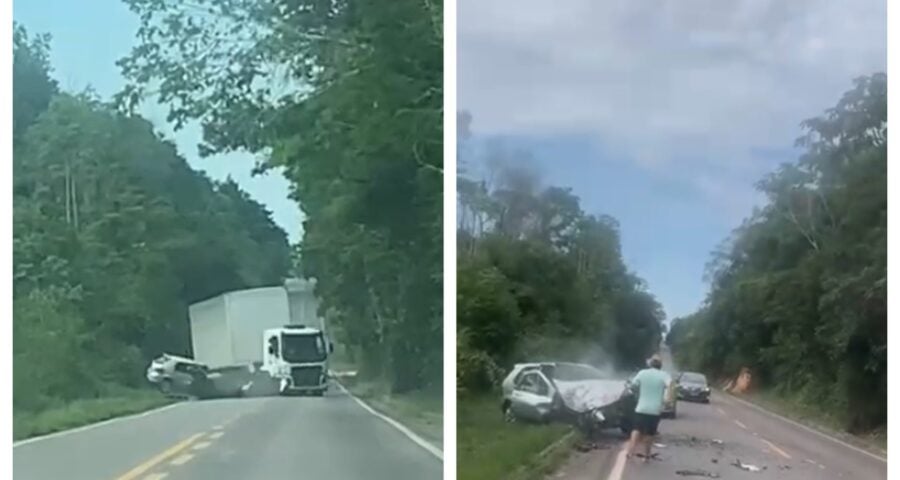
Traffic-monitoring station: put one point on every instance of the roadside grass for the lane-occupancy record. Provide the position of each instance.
(82, 412)
(812, 415)
(488, 448)
(422, 411)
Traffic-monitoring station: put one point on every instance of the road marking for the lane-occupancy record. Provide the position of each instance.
(618, 467)
(201, 445)
(804, 427)
(738, 422)
(219, 427)
(182, 459)
(722, 412)
(776, 449)
(156, 476)
(172, 451)
(95, 425)
(399, 426)
(216, 435)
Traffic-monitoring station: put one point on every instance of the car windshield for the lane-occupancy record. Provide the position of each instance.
(694, 378)
(303, 348)
(570, 372)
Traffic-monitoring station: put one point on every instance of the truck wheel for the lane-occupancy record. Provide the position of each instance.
(508, 415)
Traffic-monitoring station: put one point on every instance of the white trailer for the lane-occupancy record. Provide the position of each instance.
(227, 330)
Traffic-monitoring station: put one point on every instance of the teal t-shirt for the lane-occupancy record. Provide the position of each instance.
(652, 384)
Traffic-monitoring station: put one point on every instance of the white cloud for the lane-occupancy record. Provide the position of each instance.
(669, 84)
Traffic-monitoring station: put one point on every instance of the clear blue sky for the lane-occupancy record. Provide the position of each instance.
(88, 37)
(662, 114)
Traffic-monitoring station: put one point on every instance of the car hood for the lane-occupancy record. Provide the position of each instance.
(584, 395)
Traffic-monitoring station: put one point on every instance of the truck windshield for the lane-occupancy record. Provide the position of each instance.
(302, 348)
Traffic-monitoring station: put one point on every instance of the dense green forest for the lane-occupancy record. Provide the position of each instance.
(347, 98)
(114, 235)
(799, 290)
(538, 278)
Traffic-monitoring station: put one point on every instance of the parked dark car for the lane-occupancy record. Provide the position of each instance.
(693, 387)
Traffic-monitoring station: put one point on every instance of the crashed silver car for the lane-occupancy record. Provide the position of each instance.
(573, 393)
(177, 376)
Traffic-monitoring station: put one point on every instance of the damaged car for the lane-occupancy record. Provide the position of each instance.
(573, 393)
(177, 376)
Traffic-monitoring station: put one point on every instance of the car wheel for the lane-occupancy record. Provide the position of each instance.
(508, 415)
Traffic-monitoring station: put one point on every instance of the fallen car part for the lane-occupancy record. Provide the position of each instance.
(697, 473)
(748, 467)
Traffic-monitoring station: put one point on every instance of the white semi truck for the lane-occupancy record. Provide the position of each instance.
(274, 332)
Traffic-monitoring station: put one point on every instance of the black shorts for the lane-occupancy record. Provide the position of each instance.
(646, 424)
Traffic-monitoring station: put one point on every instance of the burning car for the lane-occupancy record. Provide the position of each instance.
(573, 393)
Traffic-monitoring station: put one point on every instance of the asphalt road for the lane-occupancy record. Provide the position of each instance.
(271, 438)
(712, 437)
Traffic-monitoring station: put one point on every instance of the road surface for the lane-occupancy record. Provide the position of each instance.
(712, 437)
(271, 438)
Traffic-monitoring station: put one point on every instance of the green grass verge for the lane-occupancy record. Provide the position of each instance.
(420, 411)
(490, 449)
(814, 416)
(83, 412)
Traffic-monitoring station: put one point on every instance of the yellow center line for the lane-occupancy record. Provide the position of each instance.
(172, 451)
(156, 476)
(776, 449)
(740, 424)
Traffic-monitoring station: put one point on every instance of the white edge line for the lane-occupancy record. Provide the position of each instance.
(618, 467)
(95, 425)
(399, 426)
(804, 427)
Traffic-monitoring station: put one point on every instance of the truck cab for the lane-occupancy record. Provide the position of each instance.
(296, 356)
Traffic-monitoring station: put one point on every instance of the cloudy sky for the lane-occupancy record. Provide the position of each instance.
(89, 36)
(661, 113)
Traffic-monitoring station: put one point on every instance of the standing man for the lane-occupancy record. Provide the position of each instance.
(651, 384)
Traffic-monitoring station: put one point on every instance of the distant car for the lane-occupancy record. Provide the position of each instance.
(573, 393)
(693, 386)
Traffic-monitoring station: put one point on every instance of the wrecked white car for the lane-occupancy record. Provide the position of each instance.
(572, 393)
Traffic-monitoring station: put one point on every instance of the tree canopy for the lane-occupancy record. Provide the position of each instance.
(540, 279)
(799, 291)
(346, 97)
(114, 235)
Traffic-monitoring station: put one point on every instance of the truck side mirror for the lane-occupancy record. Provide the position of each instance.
(273, 346)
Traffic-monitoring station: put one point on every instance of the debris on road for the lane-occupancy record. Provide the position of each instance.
(659, 445)
(748, 467)
(697, 473)
(589, 446)
(714, 460)
(716, 441)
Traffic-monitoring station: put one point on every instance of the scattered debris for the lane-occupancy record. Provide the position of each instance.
(659, 445)
(748, 467)
(716, 441)
(784, 467)
(589, 446)
(697, 473)
(715, 460)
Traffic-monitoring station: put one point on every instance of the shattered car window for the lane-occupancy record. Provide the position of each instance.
(533, 383)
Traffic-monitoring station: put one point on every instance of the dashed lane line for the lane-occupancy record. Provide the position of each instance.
(201, 445)
(156, 476)
(160, 458)
(216, 435)
(182, 459)
(738, 423)
(776, 449)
